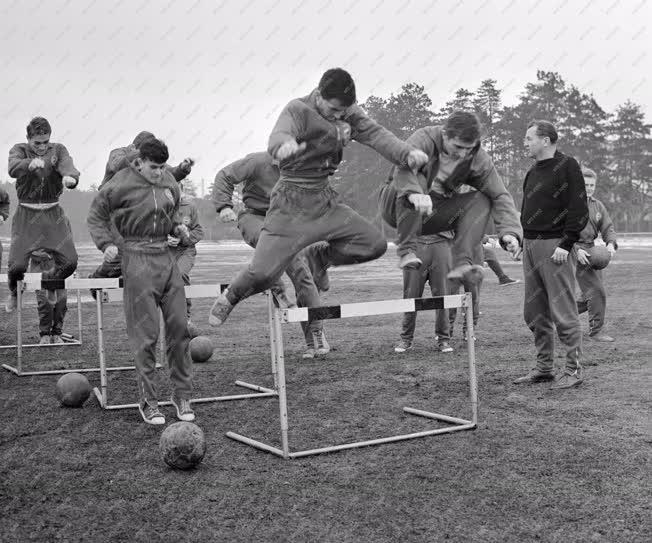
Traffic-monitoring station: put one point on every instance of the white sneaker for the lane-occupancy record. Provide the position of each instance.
(56, 339)
(321, 345)
(184, 411)
(45, 340)
(151, 414)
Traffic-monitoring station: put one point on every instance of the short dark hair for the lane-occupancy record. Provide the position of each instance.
(142, 137)
(38, 126)
(463, 125)
(154, 150)
(545, 129)
(337, 83)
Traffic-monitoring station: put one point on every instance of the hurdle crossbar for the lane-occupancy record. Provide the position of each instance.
(280, 316)
(192, 291)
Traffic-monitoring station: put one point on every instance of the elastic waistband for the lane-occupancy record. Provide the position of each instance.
(38, 207)
(154, 245)
(304, 184)
(253, 212)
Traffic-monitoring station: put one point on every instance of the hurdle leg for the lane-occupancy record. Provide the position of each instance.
(79, 316)
(470, 344)
(19, 327)
(102, 393)
(272, 336)
(282, 397)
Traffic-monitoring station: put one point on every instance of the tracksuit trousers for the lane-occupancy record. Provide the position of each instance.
(303, 212)
(44, 229)
(550, 303)
(250, 224)
(594, 297)
(467, 214)
(152, 281)
(185, 260)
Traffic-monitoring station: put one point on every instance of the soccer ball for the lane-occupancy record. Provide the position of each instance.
(182, 445)
(73, 389)
(599, 257)
(201, 348)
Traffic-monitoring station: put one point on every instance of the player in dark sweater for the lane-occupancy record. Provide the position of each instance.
(553, 213)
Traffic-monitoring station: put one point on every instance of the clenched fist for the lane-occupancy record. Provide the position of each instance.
(227, 215)
(36, 163)
(69, 182)
(110, 253)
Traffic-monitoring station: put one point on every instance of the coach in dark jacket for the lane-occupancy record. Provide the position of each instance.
(553, 213)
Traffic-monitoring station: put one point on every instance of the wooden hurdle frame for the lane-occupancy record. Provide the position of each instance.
(192, 291)
(31, 283)
(281, 316)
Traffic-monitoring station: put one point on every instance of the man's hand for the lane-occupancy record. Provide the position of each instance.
(110, 253)
(36, 163)
(289, 148)
(172, 241)
(612, 249)
(69, 182)
(416, 160)
(186, 165)
(583, 257)
(421, 202)
(2, 219)
(227, 215)
(559, 256)
(512, 245)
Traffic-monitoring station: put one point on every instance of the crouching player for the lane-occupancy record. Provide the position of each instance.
(183, 244)
(41, 169)
(143, 201)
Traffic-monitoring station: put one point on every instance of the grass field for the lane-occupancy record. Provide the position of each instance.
(542, 465)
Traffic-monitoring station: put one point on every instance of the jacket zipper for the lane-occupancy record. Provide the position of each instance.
(155, 210)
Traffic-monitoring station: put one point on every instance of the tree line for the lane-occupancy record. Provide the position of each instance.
(617, 145)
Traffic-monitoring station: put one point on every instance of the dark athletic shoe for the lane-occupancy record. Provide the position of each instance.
(602, 337)
(151, 414)
(569, 379)
(220, 310)
(509, 281)
(184, 411)
(535, 376)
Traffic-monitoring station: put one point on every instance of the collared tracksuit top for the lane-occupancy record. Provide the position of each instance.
(188, 216)
(554, 201)
(257, 173)
(43, 185)
(325, 141)
(141, 210)
(478, 172)
(599, 223)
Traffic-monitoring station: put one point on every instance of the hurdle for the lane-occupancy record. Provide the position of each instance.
(282, 316)
(112, 294)
(31, 283)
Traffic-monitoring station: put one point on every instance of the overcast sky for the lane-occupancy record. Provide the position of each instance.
(210, 78)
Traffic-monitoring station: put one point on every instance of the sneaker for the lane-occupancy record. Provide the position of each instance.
(220, 310)
(45, 340)
(468, 274)
(508, 281)
(56, 339)
(184, 411)
(444, 347)
(151, 414)
(319, 264)
(309, 353)
(409, 261)
(535, 376)
(402, 346)
(602, 337)
(11, 303)
(320, 344)
(569, 379)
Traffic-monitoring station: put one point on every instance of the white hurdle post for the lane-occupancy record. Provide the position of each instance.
(113, 294)
(31, 283)
(358, 310)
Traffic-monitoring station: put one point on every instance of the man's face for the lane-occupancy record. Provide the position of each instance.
(533, 143)
(39, 143)
(332, 109)
(457, 148)
(152, 171)
(589, 185)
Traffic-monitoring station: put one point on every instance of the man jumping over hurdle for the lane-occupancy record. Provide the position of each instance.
(308, 140)
(258, 173)
(42, 169)
(143, 201)
(431, 201)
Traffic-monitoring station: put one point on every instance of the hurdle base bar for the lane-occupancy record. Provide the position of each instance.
(261, 392)
(15, 371)
(459, 425)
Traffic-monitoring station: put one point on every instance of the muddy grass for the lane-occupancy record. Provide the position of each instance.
(542, 465)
